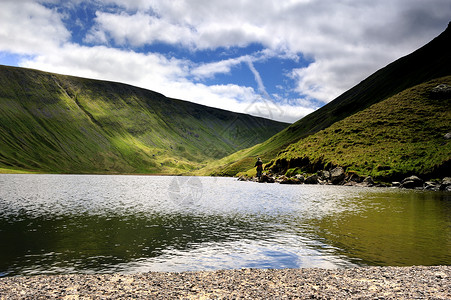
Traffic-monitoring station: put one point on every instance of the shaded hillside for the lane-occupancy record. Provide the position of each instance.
(429, 62)
(403, 135)
(57, 123)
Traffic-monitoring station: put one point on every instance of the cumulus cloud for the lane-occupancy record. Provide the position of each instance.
(344, 40)
(348, 40)
(28, 28)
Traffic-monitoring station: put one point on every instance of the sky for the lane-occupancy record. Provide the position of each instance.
(279, 59)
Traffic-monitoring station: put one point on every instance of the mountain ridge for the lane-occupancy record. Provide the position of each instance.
(426, 63)
(58, 123)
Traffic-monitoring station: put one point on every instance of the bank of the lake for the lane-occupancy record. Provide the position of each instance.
(416, 282)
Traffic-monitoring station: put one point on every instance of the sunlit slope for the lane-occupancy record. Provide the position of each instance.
(402, 135)
(64, 124)
(429, 62)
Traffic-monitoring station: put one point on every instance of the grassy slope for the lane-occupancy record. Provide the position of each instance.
(401, 135)
(56, 123)
(429, 62)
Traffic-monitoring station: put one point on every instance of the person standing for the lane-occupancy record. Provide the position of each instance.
(259, 165)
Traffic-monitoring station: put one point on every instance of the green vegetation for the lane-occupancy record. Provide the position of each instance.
(401, 135)
(63, 124)
(427, 63)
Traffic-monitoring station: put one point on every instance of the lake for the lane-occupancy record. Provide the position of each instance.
(58, 224)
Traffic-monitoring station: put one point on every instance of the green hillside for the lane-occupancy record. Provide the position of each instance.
(429, 62)
(402, 135)
(63, 124)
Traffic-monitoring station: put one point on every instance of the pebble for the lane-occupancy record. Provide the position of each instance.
(418, 282)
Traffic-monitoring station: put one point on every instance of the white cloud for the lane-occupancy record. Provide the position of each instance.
(209, 70)
(346, 40)
(137, 30)
(154, 72)
(29, 28)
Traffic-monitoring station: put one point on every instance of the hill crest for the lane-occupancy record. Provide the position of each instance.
(65, 124)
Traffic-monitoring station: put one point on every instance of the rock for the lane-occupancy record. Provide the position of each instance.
(446, 184)
(368, 180)
(396, 184)
(266, 178)
(300, 177)
(281, 178)
(447, 136)
(290, 180)
(431, 186)
(441, 91)
(324, 175)
(337, 175)
(311, 179)
(411, 182)
(354, 178)
(243, 178)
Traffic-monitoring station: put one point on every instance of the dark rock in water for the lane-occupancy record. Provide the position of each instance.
(431, 186)
(368, 181)
(311, 179)
(337, 175)
(290, 180)
(281, 178)
(300, 177)
(324, 175)
(266, 178)
(354, 178)
(243, 178)
(411, 182)
(446, 184)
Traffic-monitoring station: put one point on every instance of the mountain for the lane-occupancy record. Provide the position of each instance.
(408, 133)
(64, 124)
(429, 62)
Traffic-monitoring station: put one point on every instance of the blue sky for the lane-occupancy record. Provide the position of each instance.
(278, 59)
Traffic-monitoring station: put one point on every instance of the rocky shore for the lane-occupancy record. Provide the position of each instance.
(356, 283)
(337, 176)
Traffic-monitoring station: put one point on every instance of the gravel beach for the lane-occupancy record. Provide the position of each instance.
(362, 283)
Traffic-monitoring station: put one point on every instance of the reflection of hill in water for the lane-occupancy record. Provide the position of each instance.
(82, 224)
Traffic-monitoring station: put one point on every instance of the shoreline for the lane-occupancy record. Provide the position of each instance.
(419, 282)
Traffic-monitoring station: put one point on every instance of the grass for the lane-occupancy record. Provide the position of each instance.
(427, 63)
(62, 124)
(402, 135)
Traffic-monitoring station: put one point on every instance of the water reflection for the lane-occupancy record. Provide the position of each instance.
(84, 224)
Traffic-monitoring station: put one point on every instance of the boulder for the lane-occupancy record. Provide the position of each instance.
(311, 179)
(266, 178)
(368, 180)
(290, 180)
(324, 175)
(300, 177)
(446, 184)
(281, 178)
(411, 182)
(337, 175)
(243, 178)
(354, 178)
(431, 186)
(447, 136)
(441, 91)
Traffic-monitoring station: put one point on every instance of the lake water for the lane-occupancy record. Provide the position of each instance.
(56, 224)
